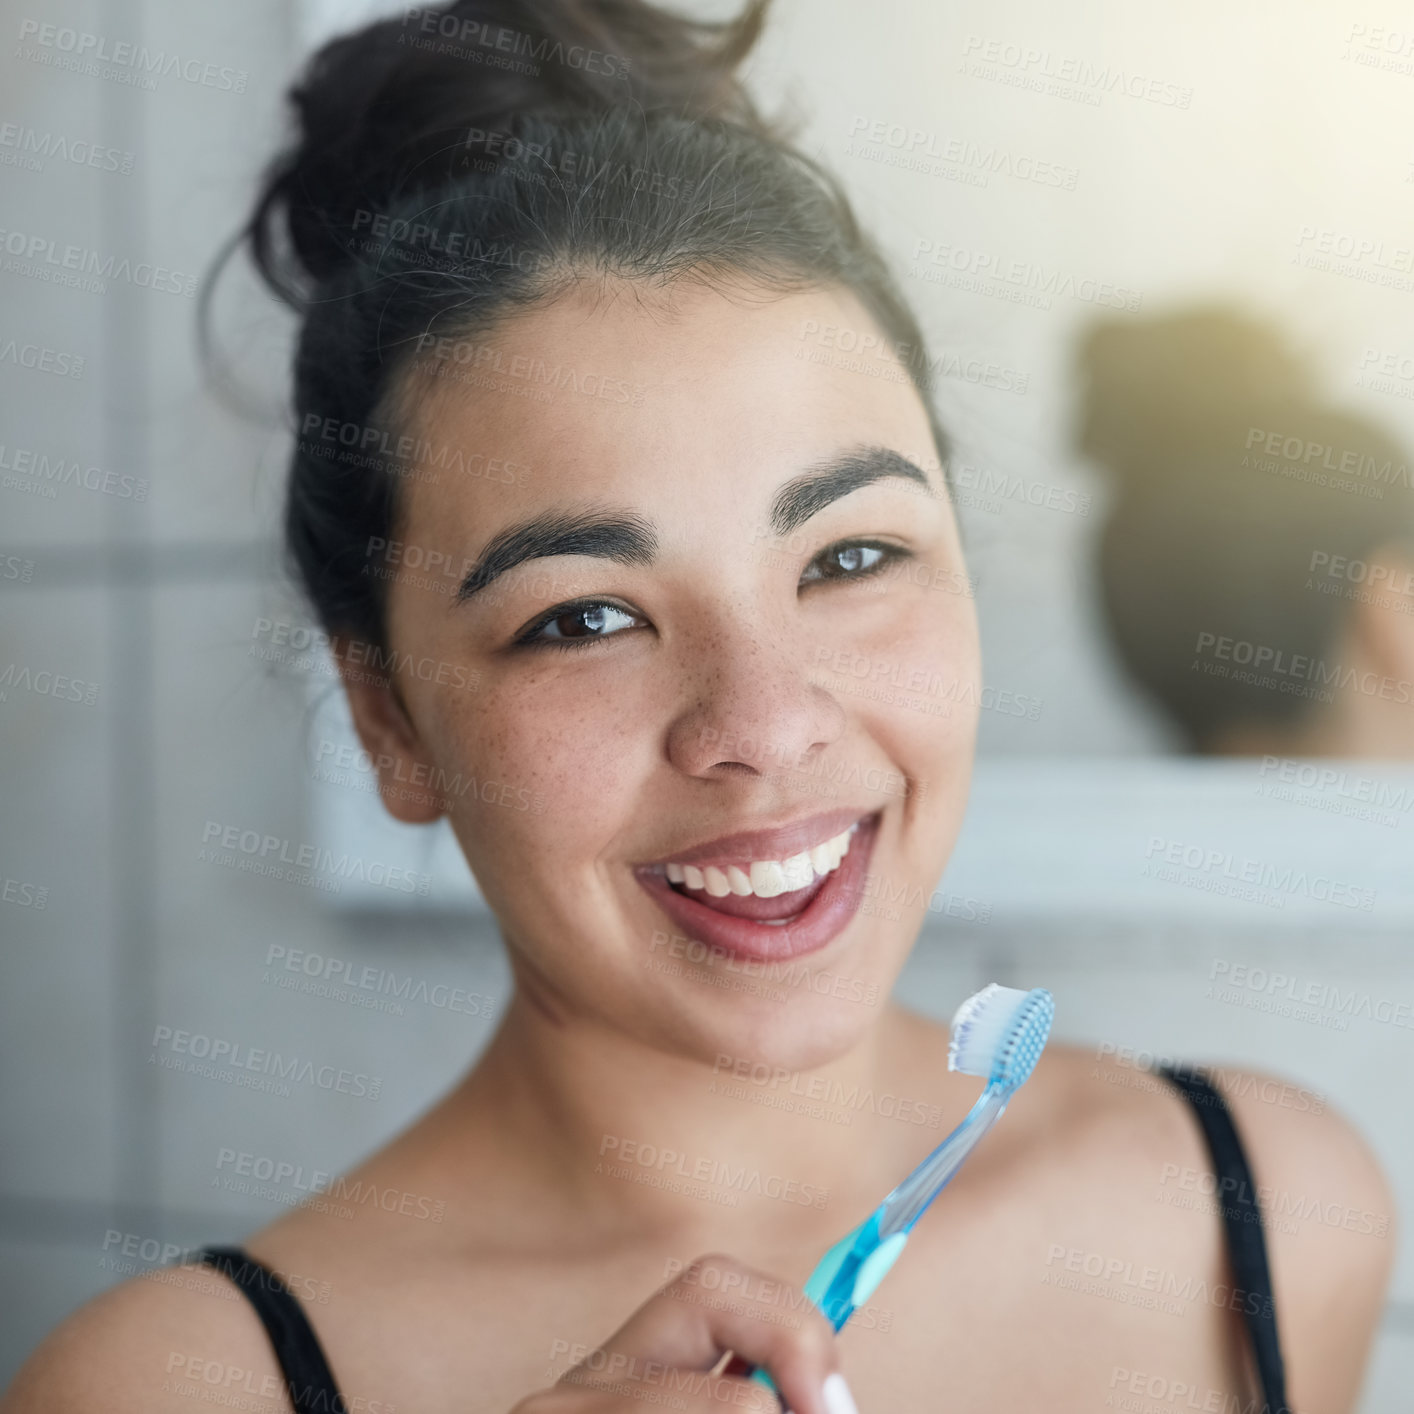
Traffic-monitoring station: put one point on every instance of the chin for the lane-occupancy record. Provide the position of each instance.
(796, 1018)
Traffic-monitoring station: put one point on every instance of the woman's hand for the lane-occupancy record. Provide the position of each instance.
(664, 1354)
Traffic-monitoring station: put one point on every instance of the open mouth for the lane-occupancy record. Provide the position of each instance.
(771, 909)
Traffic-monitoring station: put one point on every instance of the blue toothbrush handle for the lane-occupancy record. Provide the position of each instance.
(845, 1277)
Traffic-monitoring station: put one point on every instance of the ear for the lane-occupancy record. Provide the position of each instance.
(407, 775)
(1382, 614)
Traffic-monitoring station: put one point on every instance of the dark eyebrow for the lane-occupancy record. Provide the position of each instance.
(621, 536)
(804, 496)
(627, 538)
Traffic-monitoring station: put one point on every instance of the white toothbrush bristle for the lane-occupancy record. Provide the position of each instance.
(978, 1026)
(998, 1033)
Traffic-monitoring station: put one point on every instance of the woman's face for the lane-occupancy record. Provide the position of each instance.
(745, 608)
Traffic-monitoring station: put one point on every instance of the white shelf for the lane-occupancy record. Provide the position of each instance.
(1080, 837)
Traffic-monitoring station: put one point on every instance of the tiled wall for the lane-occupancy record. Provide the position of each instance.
(149, 601)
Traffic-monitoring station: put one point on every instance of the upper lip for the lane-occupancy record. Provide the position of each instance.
(777, 842)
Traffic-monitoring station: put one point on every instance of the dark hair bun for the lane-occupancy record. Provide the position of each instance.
(1230, 470)
(453, 167)
(1155, 390)
(405, 103)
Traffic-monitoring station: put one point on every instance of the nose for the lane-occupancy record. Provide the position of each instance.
(752, 706)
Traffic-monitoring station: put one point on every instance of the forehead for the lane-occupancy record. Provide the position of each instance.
(620, 392)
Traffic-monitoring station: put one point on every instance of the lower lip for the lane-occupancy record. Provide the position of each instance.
(821, 920)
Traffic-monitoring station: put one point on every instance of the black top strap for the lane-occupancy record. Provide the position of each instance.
(1242, 1221)
(307, 1374)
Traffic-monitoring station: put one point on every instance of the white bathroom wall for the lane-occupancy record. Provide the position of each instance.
(1264, 121)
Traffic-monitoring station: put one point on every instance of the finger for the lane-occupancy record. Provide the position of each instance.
(695, 1391)
(785, 1333)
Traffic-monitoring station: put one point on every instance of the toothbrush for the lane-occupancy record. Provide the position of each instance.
(999, 1033)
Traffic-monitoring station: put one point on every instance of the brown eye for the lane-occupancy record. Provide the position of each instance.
(575, 625)
(852, 559)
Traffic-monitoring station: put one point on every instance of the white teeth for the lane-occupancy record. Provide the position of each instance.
(766, 877)
(799, 871)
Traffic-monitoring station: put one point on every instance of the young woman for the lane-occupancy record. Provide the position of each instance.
(711, 609)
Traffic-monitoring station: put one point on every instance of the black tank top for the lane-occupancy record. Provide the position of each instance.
(311, 1383)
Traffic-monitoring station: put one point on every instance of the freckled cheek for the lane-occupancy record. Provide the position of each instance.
(553, 769)
(929, 687)
(930, 637)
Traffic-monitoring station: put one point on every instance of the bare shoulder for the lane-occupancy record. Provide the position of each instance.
(1110, 1122)
(1327, 1209)
(149, 1345)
